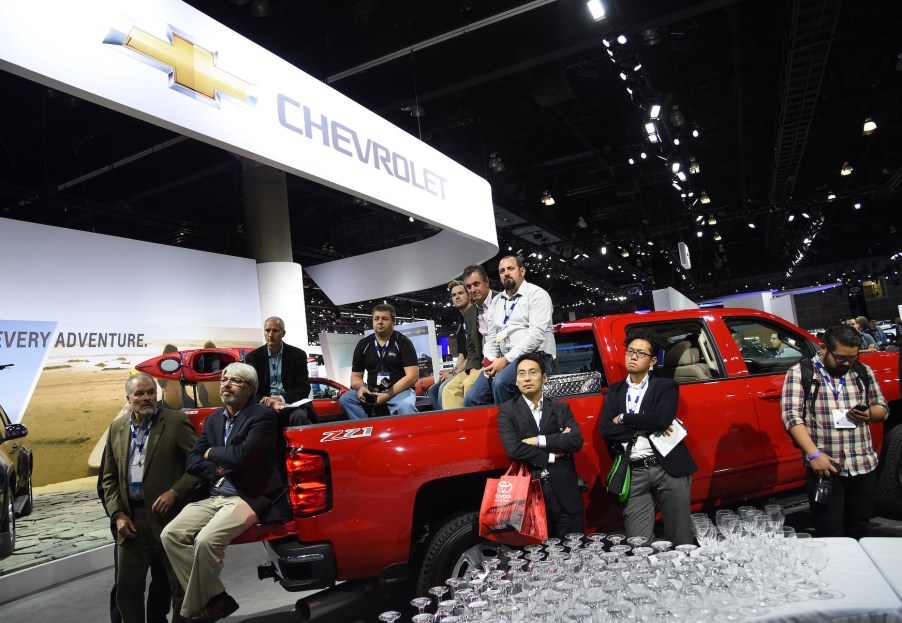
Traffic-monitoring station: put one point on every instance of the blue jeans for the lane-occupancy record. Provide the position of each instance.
(435, 393)
(501, 388)
(399, 404)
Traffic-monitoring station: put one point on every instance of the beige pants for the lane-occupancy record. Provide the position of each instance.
(457, 388)
(195, 543)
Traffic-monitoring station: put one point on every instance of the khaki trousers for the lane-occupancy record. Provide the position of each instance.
(457, 388)
(195, 543)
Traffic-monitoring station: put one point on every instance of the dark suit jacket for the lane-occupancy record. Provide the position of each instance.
(515, 422)
(295, 379)
(251, 455)
(474, 337)
(657, 411)
(168, 445)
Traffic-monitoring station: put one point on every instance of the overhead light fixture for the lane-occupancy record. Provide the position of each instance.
(676, 117)
(581, 223)
(624, 253)
(621, 39)
(681, 175)
(676, 141)
(596, 9)
(655, 111)
(643, 155)
(623, 76)
(805, 214)
(699, 218)
(717, 235)
(675, 166)
(699, 233)
(606, 43)
(846, 169)
(495, 163)
(751, 225)
(411, 219)
(693, 166)
(695, 133)
(604, 250)
(857, 205)
(631, 161)
(705, 198)
(637, 67)
(831, 196)
(869, 126)
(677, 186)
(791, 218)
(547, 199)
(712, 220)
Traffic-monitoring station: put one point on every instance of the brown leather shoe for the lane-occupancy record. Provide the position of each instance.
(219, 607)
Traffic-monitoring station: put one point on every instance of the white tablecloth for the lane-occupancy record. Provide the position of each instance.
(886, 552)
(867, 596)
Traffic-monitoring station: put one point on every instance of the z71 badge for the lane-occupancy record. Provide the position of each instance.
(347, 433)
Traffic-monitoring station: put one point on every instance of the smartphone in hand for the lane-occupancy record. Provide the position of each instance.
(861, 408)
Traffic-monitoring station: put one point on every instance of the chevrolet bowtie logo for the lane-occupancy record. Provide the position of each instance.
(192, 69)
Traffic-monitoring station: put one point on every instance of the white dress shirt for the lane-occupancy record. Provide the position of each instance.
(528, 328)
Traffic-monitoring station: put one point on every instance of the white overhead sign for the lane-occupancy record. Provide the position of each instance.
(167, 63)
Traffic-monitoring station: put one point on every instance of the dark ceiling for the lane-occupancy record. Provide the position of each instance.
(778, 92)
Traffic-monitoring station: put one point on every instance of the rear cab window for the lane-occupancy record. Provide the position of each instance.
(577, 367)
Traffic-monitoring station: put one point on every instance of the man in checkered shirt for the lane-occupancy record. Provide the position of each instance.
(834, 435)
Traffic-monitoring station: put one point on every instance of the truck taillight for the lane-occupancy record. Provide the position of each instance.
(308, 482)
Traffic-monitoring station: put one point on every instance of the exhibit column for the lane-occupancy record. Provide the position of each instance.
(280, 280)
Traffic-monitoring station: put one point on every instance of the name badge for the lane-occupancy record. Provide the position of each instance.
(136, 490)
(840, 420)
(274, 393)
(382, 377)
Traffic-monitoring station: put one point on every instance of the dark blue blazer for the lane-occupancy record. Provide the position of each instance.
(251, 455)
(657, 411)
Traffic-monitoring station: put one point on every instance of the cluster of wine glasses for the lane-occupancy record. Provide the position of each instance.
(746, 563)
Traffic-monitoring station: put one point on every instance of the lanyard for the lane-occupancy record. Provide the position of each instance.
(638, 395)
(382, 351)
(275, 364)
(141, 440)
(829, 380)
(508, 312)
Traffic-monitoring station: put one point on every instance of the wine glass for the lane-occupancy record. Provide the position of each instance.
(616, 538)
(423, 617)
(817, 557)
(438, 591)
(421, 603)
(775, 512)
(637, 541)
(389, 616)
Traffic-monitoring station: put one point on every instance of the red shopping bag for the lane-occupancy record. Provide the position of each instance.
(513, 509)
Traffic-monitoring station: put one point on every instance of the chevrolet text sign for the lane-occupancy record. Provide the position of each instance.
(166, 63)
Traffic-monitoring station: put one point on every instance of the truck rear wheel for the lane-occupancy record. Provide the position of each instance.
(455, 548)
(889, 486)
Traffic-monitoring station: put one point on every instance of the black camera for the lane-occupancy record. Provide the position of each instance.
(823, 490)
(381, 387)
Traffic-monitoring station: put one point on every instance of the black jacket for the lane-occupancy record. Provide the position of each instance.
(295, 379)
(657, 411)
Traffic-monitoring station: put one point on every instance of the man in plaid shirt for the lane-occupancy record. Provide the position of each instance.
(834, 434)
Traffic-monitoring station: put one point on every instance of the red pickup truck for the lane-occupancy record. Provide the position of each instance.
(398, 496)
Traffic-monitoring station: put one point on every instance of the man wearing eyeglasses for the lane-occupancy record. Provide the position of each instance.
(543, 433)
(833, 431)
(637, 411)
(236, 454)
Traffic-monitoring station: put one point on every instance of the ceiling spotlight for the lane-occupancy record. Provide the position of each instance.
(655, 111)
(693, 166)
(637, 67)
(415, 110)
(623, 76)
(581, 223)
(631, 161)
(606, 43)
(869, 127)
(676, 117)
(717, 235)
(677, 186)
(604, 250)
(675, 166)
(846, 169)
(596, 9)
(712, 220)
(751, 225)
(857, 205)
(705, 198)
(495, 163)
(681, 175)
(624, 253)
(699, 218)
(805, 214)
(831, 196)
(411, 219)
(643, 155)
(699, 233)
(547, 199)
(791, 218)
(676, 141)
(621, 39)
(695, 133)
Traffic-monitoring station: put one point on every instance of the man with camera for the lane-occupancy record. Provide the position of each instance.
(829, 419)
(390, 362)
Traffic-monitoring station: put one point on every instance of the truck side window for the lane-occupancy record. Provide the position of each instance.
(689, 354)
(768, 347)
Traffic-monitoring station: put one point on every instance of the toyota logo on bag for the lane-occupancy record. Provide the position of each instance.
(505, 486)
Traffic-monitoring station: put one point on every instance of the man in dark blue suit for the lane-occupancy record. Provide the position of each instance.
(236, 454)
(544, 434)
(635, 410)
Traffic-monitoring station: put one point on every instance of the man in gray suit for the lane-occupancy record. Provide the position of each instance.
(144, 487)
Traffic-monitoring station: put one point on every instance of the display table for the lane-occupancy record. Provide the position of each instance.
(886, 553)
(867, 596)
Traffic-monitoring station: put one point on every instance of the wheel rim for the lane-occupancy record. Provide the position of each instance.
(474, 556)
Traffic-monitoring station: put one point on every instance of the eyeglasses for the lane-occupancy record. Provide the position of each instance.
(521, 374)
(638, 354)
(843, 358)
(231, 380)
